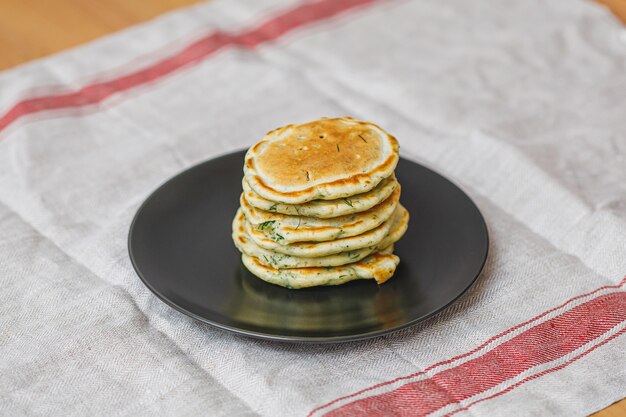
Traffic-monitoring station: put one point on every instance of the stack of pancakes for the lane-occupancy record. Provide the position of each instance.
(320, 204)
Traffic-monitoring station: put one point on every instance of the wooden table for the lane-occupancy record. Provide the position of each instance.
(31, 29)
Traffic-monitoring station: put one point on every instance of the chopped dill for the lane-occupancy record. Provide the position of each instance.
(299, 218)
(273, 207)
(266, 225)
(348, 202)
(277, 237)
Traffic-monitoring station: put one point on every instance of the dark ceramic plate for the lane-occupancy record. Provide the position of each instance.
(181, 248)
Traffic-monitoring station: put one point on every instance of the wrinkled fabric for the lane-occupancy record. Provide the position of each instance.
(523, 104)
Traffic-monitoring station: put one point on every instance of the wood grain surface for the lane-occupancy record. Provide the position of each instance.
(31, 29)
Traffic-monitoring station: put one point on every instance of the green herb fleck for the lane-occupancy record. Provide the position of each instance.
(348, 202)
(273, 207)
(299, 218)
(276, 237)
(266, 225)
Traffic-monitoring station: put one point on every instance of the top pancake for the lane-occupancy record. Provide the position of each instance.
(324, 159)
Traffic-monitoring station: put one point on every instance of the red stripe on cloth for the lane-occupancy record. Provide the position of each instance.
(540, 374)
(268, 31)
(482, 346)
(541, 344)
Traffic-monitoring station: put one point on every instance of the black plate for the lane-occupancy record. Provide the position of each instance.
(181, 248)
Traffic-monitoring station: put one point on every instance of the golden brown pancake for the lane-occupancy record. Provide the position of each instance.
(324, 159)
(379, 266)
(325, 209)
(316, 249)
(311, 229)
(281, 260)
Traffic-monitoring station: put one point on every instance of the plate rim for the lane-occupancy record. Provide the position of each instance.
(298, 339)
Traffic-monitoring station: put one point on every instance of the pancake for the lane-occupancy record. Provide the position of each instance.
(311, 229)
(325, 159)
(325, 209)
(320, 204)
(379, 266)
(316, 249)
(280, 260)
(258, 304)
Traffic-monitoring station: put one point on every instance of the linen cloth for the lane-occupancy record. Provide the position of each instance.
(521, 103)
